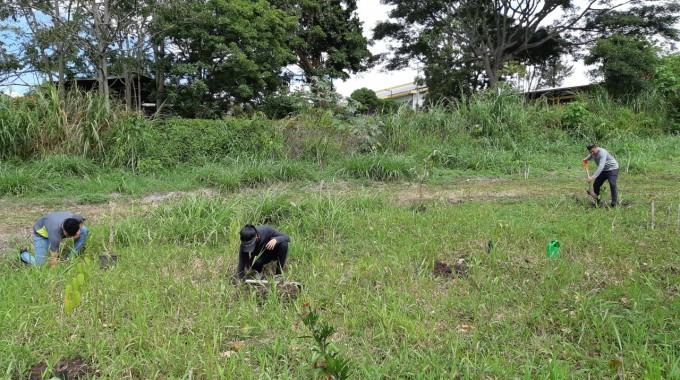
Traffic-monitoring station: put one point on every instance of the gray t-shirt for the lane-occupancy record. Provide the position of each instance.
(49, 226)
(605, 162)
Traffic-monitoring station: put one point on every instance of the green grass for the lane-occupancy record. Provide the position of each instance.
(606, 308)
(368, 231)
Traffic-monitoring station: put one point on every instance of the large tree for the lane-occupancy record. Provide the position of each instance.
(223, 52)
(45, 30)
(627, 43)
(328, 39)
(9, 62)
(626, 63)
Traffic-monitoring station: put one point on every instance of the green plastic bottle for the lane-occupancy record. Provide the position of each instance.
(553, 250)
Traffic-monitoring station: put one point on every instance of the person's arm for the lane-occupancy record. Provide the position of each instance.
(600, 166)
(281, 237)
(587, 158)
(243, 264)
(270, 233)
(272, 237)
(54, 240)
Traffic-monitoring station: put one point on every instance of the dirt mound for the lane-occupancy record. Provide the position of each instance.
(66, 369)
(459, 269)
(288, 291)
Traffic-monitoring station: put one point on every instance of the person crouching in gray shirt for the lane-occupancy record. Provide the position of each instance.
(607, 170)
(49, 231)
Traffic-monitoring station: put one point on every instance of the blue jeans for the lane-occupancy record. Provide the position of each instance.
(42, 248)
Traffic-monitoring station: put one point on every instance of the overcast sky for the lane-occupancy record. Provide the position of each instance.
(370, 12)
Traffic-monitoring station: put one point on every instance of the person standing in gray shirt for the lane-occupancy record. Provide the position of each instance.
(607, 170)
(49, 231)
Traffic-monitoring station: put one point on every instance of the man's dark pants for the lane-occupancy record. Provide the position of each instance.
(611, 176)
(280, 253)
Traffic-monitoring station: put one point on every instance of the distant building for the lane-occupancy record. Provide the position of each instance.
(409, 93)
(414, 95)
(136, 96)
(559, 95)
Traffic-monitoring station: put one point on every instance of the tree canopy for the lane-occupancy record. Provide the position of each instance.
(224, 52)
(328, 39)
(465, 44)
(205, 55)
(208, 55)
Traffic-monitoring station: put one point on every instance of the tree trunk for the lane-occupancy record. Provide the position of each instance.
(102, 20)
(159, 54)
(61, 57)
(62, 68)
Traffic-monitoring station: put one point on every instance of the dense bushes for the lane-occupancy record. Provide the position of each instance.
(190, 141)
(493, 130)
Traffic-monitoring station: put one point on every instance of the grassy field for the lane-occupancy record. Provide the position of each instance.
(372, 256)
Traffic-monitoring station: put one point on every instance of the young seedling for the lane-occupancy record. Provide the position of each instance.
(75, 288)
(328, 363)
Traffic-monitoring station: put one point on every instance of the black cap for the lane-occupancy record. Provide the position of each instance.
(248, 238)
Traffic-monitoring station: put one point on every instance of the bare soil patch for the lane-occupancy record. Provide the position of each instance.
(65, 369)
(459, 269)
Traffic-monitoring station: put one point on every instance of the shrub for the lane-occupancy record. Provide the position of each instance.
(198, 141)
(279, 106)
(63, 165)
(16, 181)
(379, 167)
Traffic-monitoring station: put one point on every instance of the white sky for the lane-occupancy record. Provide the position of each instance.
(370, 12)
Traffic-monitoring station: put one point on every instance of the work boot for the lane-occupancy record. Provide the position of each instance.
(278, 278)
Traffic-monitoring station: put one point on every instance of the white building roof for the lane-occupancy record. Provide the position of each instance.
(400, 90)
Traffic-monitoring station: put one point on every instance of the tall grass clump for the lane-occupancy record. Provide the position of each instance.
(15, 129)
(494, 113)
(262, 172)
(42, 123)
(187, 222)
(218, 176)
(476, 157)
(383, 167)
(127, 140)
(15, 181)
(597, 116)
(63, 165)
(250, 172)
(196, 142)
(320, 136)
(407, 130)
(89, 115)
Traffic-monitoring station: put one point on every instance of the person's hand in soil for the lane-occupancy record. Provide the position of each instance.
(271, 244)
(54, 259)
